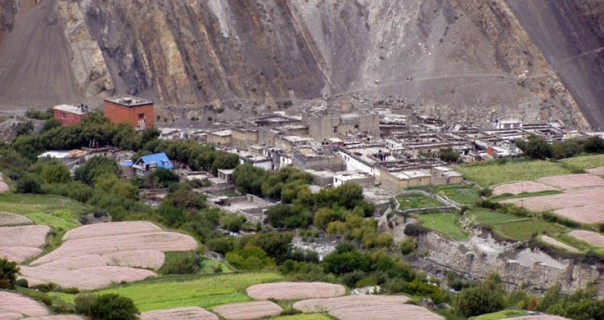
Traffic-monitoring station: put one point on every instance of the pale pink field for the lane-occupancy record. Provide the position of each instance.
(19, 254)
(85, 278)
(186, 313)
(593, 238)
(160, 241)
(582, 205)
(25, 236)
(295, 290)
(74, 263)
(522, 187)
(145, 259)
(58, 317)
(385, 312)
(329, 304)
(556, 243)
(12, 304)
(110, 229)
(248, 310)
(11, 219)
(572, 181)
(599, 171)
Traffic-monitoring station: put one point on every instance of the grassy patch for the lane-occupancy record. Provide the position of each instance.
(180, 291)
(462, 194)
(445, 223)
(491, 172)
(415, 201)
(573, 242)
(523, 230)
(585, 162)
(501, 315)
(489, 217)
(311, 316)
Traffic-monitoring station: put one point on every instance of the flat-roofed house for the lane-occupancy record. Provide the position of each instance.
(136, 111)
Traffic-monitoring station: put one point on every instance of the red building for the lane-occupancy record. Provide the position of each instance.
(136, 111)
(68, 114)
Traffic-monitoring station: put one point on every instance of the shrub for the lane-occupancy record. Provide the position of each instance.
(8, 274)
(407, 246)
(113, 307)
(415, 229)
(181, 263)
(29, 184)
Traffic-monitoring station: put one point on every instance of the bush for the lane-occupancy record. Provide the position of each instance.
(415, 229)
(8, 274)
(487, 297)
(181, 263)
(29, 184)
(113, 307)
(407, 246)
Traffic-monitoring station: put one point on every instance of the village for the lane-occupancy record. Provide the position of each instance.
(385, 150)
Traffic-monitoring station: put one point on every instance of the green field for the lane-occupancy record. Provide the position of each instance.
(415, 201)
(461, 194)
(311, 316)
(585, 162)
(180, 291)
(491, 173)
(489, 217)
(501, 315)
(58, 212)
(523, 230)
(444, 223)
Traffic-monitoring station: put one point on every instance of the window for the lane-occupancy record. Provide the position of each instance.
(63, 115)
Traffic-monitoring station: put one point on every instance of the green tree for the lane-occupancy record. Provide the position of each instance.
(51, 171)
(113, 307)
(8, 274)
(594, 145)
(486, 297)
(536, 147)
(249, 179)
(96, 167)
(162, 178)
(275, 244)
(29, 184)
(449, 155)
(51, 124)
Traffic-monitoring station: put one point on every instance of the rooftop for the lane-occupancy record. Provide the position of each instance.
(72, 109)
(130, 101)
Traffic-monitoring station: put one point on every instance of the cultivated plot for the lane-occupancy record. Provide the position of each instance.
(185, 313)
(592, 238)
(295, 290)
(248, 310)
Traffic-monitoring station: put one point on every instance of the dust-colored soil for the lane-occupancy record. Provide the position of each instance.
(22, 242)
(58, 317)
(108, 255)
(556, 243)
(8, 219)
(248, 310)
(330, 304)
(385, 312)
(186, 313)
(19, 254)
(522, 187)
(145, 259)
(160, 241)
(3, 186)
(599, 171)
(582, 205)
(28, 236)
(85, 278)
(572, 181)
(110, 229)
(36, 61)
(12, 304)
(593, 238)
(295, 290)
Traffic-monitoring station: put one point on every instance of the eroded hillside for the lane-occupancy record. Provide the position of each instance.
(469, 60)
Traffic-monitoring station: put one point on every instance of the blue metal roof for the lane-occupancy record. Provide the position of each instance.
(161, 159)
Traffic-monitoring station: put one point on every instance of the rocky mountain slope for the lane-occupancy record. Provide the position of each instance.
(469, 60)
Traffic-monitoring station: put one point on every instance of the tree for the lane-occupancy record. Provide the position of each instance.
(249, 179)
(29, 184)
(51, 171)
(536, 147)
(162, 177)
(51, 124)
(449, 155)
(8, 274)
(96, 167)
(594, 145)
(113, 307)
(487, 297)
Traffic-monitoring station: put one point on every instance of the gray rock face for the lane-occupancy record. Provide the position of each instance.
(467, 60)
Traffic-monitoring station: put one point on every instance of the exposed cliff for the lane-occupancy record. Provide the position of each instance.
(468, 60)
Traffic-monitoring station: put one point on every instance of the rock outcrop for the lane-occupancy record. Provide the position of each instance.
(465, 60)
